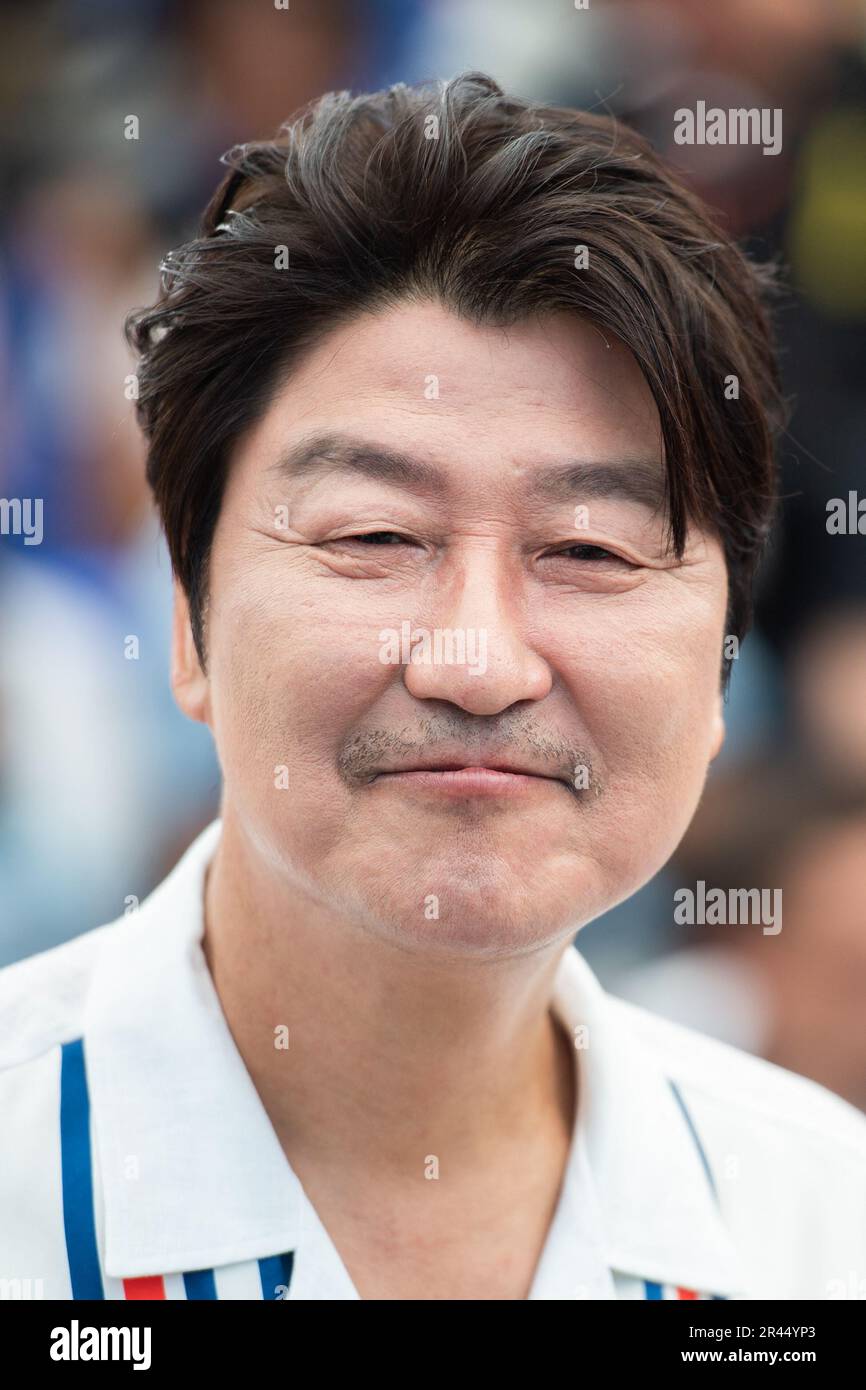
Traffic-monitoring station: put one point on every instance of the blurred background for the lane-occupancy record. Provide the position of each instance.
(91, 818)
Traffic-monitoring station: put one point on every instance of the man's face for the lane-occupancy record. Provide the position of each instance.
(590, 658)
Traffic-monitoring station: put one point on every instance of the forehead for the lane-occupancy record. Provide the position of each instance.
(475, 397)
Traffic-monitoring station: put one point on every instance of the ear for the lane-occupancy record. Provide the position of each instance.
(717, 728)
(188, 681)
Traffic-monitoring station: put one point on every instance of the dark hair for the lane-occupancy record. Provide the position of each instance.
(456, 191)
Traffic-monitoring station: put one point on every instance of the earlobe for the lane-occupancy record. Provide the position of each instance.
(188, 681)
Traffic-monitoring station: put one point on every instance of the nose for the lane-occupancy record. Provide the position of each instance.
(477, 655)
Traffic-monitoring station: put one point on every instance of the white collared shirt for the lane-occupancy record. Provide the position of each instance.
(137, 1160)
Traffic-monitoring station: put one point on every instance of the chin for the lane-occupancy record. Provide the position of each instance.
(490, 911)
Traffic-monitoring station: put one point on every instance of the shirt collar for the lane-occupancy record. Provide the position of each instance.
(658, 1206)
(193, 1175)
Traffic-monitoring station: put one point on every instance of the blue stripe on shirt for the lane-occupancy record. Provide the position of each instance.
(275, 1270)
(199, 1284)
(77, 1175)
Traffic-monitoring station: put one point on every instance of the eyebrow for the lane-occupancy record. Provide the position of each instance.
(639, 480)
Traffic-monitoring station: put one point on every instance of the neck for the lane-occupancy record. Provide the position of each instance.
(391, 1055)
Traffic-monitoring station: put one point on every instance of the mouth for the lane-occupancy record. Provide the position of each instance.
(456, 779)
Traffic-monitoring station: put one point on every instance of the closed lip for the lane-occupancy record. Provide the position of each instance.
(472, 763)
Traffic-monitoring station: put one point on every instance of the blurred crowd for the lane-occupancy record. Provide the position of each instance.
(102, 781)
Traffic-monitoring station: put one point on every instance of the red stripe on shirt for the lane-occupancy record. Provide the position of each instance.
(148, 1286)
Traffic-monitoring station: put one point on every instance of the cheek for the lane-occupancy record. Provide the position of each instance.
(646, 689)
(291, 670)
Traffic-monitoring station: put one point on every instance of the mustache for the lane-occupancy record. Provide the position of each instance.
(368, 752)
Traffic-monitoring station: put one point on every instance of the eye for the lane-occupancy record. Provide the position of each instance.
(369, 540)
(378, 538)
(592, 553)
